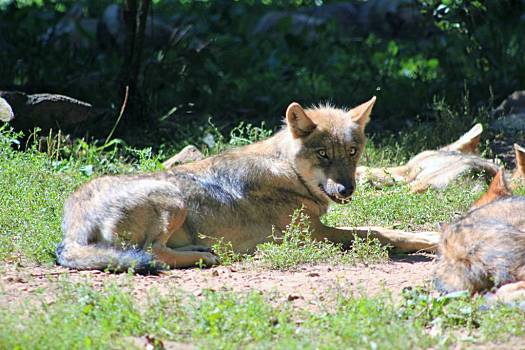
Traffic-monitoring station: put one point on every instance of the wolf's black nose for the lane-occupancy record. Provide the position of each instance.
(345, 191)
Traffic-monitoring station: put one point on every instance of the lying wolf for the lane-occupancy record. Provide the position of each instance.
(485, 248)
(435, 169)
(118, 222)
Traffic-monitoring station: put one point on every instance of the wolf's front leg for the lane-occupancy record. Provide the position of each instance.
(401, 241)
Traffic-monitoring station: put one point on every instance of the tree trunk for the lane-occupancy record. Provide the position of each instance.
(135, 17)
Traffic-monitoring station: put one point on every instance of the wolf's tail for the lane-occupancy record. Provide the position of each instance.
(99, 257)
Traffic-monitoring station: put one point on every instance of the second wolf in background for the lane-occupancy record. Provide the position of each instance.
(485, 249)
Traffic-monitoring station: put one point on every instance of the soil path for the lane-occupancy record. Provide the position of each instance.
(309, 286)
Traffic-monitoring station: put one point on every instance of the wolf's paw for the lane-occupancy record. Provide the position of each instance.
(210, 259)
(511, 292)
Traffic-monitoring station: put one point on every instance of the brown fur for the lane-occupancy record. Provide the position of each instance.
(498, 188)
(485, 248)
(123, 221)
(436, 168)
(133, 221)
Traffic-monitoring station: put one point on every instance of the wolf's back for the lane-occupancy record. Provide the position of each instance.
(101, 257)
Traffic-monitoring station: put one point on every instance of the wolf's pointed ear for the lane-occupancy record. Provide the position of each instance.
(361, 113)
(499, 184)
(520, 159)
(298, 122)
(498, 189)
(469, 142)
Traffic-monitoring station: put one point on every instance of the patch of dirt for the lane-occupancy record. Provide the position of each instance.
(309, 286)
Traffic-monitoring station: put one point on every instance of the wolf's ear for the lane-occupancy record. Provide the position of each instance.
(520, 159)
(361, 113)
(469, 142)
(498, 189)
(298, 122)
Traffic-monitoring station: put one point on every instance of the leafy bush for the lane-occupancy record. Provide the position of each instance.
(219, 66)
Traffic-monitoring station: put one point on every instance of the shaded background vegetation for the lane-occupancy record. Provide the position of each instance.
(216, 59)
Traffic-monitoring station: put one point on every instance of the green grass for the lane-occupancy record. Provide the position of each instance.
(108, 317)
(295, 247)
(34, 185)
(397, 207)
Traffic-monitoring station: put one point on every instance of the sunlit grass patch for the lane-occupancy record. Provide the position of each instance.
(34, 186)
(296, 246)
(397, 207)
(111, 316)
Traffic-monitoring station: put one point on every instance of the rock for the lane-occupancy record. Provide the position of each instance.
(73, 29)
(47, 110)
(510, 123)
(510, 114)
(6, 112)
(292, 297)
(111, 30)
(391, 17)
(513, 104)
(188, 154)
(307, 18)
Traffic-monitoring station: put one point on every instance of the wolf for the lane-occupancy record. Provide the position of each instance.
(485, 249)
(434, 168)
(118, 222)
(502, 186)
(171, 218)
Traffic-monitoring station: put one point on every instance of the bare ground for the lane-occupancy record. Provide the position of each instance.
(308, 286)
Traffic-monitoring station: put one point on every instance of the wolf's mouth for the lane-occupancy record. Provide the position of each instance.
(335, 198)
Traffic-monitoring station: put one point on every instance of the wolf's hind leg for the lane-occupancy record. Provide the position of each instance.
(181, 259)
(188, 256)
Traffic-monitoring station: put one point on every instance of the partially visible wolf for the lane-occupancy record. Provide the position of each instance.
(435, 168)
(499, 187)
(119, 222)
(485, 248)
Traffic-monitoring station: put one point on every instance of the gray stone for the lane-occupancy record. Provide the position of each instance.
(510, 123)
(47, 110)
(513, 104)
(6, 112)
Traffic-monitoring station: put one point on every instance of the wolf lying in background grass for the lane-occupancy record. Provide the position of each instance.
(486, 248)
(130, 221)
(436, 168)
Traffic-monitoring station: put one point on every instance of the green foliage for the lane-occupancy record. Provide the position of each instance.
(242, 134)
(218, 65)
(460, 310)
(34, 186)
(224, 250)
(397, 207)
(112, 318)
(295, 246)
(454, 309)
(32, 194)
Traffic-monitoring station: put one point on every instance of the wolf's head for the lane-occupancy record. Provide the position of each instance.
(327, 144)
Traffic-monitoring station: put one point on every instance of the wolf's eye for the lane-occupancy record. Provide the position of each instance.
(353, 151)
(322, 153)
